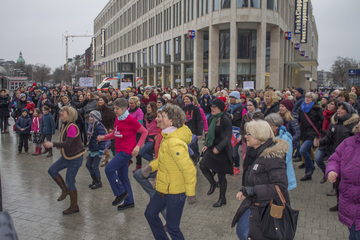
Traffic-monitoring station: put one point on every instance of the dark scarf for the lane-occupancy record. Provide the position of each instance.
(211, 131)
(133, 110)
(252, 154)
(149, 118)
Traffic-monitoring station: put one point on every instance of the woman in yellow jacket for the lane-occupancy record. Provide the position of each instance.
(176, 175)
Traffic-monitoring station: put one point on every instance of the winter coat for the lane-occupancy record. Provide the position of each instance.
(107, 117)
(35, 125)
(285, 135)
(205, 105)
(152, 98)
(237, 115)
(24, 123)
(273, 109)
(4, 106)
(294, 129)
(316, 117)
(88, 108)
(94, 145)
(345, 162)
(339, 129)
(20, 105)
(193, 119)
(246, 118)
(268, 170)
(47, 124)
(297, 104)
(176, 171)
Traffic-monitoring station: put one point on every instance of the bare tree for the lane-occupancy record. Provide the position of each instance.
(41, 73)
(339, 70)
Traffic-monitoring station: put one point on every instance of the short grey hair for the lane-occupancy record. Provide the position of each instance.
(121, 103)
(311, 95)
(175, 114)
(260, 130)
(274, 119)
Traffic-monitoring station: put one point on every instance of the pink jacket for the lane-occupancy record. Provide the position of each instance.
(203, 117)
(35, 125)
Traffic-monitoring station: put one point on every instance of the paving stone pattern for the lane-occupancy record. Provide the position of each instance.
(30, 196)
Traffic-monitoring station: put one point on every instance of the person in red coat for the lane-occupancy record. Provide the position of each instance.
(149, 95)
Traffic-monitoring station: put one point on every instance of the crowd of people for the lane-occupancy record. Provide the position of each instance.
(256, 133)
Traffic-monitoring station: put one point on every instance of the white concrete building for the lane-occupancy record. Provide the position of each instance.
(235, 41)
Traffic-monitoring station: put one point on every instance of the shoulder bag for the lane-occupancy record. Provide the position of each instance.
(311, 123)
(279, 222)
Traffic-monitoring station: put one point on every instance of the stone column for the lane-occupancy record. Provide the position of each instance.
(233, 50)
(260, 55)
(275, 79)
(172, 57)
(213, 56)
(163, 78)
(182, 59)
(198, 58)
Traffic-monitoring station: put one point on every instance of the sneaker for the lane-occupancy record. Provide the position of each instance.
(323, 180)
(305, 178)
(118, 200)
(236, 170)
(125, 206)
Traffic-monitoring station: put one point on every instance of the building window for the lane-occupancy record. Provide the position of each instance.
(256, 3)
(159, 53)
(242, 3)
(267, 56)
(216, 5)
(177, 49)
(225, 4)
(224, 70)
(272, 5)
(205, 5)
(189, 48)
(168, 51)
(151, 55)
(224, 45)
(206, 45)
(145, 57)
(245, 72)
(246, 44)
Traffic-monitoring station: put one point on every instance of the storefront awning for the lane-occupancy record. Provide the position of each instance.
(294, 65)
(309, 62)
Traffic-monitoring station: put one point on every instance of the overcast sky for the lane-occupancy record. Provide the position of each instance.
(37, 28)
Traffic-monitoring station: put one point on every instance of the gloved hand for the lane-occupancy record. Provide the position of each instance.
(145, 171)
(191, 200)
(248, 191)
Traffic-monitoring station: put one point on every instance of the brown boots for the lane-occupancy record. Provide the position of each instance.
(74, 208)
(60, 181)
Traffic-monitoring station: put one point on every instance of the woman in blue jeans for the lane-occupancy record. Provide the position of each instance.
(72, 151)
(310, 121)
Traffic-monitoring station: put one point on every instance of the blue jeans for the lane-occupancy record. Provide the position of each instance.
(195, 146)
(92, 164)
(72, 169)
(146, 185)
(242, 227)
(147, 151)
(208, 116)
(174, 204)
(319, 159)
(236, 156)
(354, 235)
(305, 152)
(117, 175)
(297, 148)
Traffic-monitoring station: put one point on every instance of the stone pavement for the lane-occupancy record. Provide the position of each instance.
(29, 195)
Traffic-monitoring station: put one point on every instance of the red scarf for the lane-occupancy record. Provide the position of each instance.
(327, 115)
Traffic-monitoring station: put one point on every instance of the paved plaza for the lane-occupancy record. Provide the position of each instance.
(30, 196)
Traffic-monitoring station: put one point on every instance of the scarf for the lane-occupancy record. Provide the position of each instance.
(132, 110)
(251, 115)
(169, 129)
(306, 108)
(233, 107)
(211, 131)
(124, 116)
(327, 115)
(149, 118)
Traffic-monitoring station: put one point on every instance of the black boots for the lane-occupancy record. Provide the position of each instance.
(222, 199)
(96, 183)
(211, 180)
(60, 181)
(74, 208)
(50, 154)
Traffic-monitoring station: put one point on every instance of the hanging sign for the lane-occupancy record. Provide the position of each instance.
(297, 46)
(191, 33)
(288, 35)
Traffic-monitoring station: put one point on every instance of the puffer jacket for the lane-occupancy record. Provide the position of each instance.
(4, 106)
(25, 123)
(267, 170)
(285, 135)
(316, 116)
(176, 171)
(339, 129)
(273, 109)
(345, 162)
(294, 129)
(99, 130)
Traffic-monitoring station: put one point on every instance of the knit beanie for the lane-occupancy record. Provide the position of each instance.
(22, 95)
(288, 104)
(243, 96)
(347, 107)
(235, 94)
(96, 115)
(352, 95)
(219, 103)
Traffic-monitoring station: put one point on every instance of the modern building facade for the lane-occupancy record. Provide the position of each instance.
(220, 42)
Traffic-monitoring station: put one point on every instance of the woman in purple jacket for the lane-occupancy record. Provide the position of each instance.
(345, 163)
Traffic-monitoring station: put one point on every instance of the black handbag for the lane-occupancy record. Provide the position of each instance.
(277, 227)
(37, 137)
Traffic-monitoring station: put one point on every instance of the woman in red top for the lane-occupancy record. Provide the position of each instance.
(125, 129)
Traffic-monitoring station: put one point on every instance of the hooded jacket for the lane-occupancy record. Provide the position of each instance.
(176, 171)
(345, 162)
(339, 129)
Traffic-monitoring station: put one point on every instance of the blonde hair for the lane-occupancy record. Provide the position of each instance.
(274, 97)
(287, 115)
(260, 130)
(72, 113)
(136, 100)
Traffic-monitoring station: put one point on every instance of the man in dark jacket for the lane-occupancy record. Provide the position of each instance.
(299, 95)
(4, 110)
(23, 125)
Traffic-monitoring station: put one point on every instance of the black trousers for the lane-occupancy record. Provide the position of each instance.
(23, 141)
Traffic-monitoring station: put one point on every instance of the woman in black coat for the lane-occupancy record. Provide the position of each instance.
(266, 156)
(4, 110)
(271, 104)
(218, 150)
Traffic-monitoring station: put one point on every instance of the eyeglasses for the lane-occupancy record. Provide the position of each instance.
(247, 134)
(213, 106)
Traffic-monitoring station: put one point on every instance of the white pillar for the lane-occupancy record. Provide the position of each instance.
(275, 79)
(233, 52)
(213, 56)
(198, 58)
